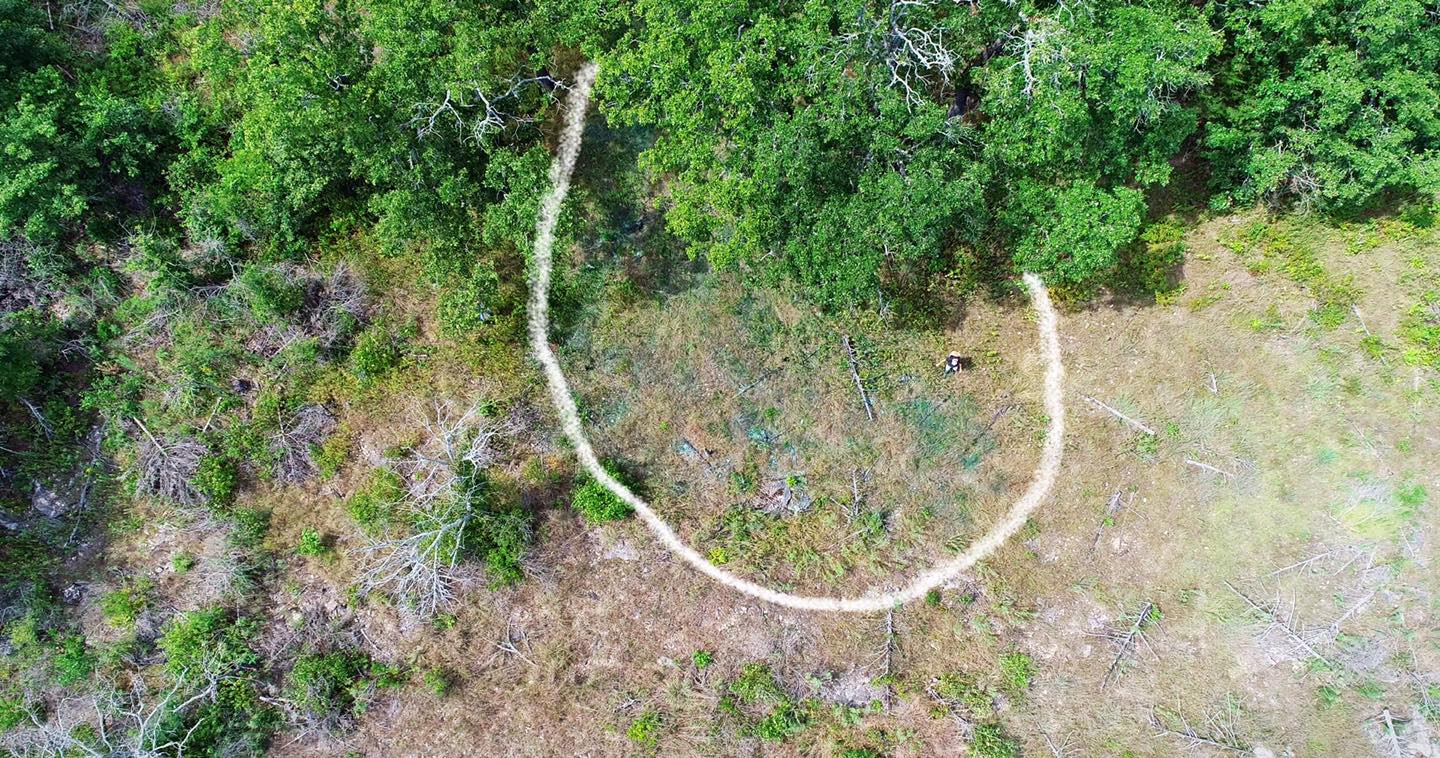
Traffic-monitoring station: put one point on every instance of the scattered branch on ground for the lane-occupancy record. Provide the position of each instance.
(854, 361)
(1389, 727)
(1212, 469)
(1128, 636)
(1112, 510)
(1117, 414)
(295, 440)
(167, 470)
(1220, 732)
(1284, 623)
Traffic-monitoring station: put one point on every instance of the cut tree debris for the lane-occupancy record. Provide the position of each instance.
(855, 374)
(1128, 637)
(1117, 414)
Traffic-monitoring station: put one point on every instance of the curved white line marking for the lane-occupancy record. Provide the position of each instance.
(1040, 485)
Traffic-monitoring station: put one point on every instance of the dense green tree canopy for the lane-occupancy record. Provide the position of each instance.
(1333, 102)
(832, 142)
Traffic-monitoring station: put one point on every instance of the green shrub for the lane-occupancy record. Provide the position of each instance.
(208, 641)
(73, 661)
(270, 295)
(312, 543)
(645, 729)
(959, 691)
(786, 720)
(702, 659)
(500, 539)
(212, 643)
(376, 353)
(756, 684)
(463, 309)
(333, 688)
(990, 741)
(1016, 671)
(123, 606)
(13, 712)
(596, 503)
(19, 356)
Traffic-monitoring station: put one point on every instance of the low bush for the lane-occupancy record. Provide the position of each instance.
(122, 606)
(596, 503)
(374, 505)
(269, 293)
(311, 543)
(376, 353)
(439, 681)
(332, 689)
(990, 741)
(784, 717)
(1016, 671)
(215, 479)
(645, 729)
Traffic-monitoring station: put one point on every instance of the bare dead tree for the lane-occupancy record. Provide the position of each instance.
(421, 569)
(296, 438)
(1057, 751)
(886, 658)
(1128, 636)
(909, 39)
(1220, 731)
(471, 113)
(166, 470)
(1036, 47)
(129, 723)
(1284, 623)
(341, 304)
(1389, 726)
(512, 644)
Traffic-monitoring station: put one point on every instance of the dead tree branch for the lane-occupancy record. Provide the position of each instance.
(1212, 469)
(1117, 414)
(1221, 735)
(167, 470)
(1285, 626)
(1127, 638)
(855, 374)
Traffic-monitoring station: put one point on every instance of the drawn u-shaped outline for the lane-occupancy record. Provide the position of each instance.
(1038, 489)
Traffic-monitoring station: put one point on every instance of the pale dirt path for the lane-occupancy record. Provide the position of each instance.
(1039, 488)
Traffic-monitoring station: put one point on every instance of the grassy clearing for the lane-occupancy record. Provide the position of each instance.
(742, 404)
